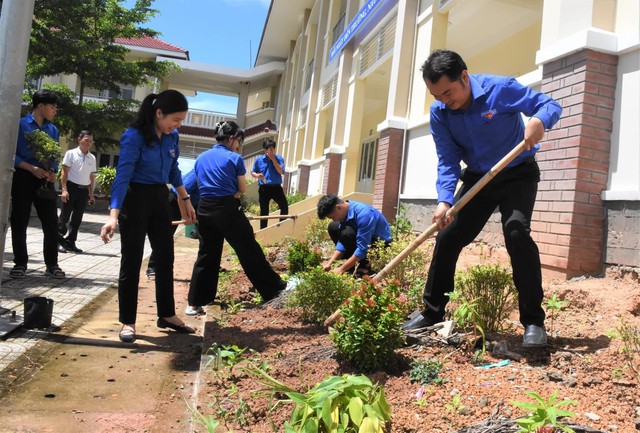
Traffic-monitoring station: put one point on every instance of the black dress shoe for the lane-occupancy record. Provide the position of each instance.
(61, 249)
(184, 329)
(72, 247)
(418, 322)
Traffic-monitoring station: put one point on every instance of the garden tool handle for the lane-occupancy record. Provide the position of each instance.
(434, 227)
(177, 223)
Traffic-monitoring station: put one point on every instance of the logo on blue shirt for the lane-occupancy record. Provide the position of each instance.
(488, 114)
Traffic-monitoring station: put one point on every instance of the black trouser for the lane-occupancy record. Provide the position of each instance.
(513, 192)
(219, 219)
(266, 193)
(74, 209)
(23, 196)
(347, 236)
(175, 216)
(145, 211)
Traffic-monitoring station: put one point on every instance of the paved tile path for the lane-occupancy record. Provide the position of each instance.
(88, 275)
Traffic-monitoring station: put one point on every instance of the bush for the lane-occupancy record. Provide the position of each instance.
(369, 331)
(302, 257)
(426, 371)
(105, 178)
(412, 268)
(319, 294)
(316, 231)
(491, 291)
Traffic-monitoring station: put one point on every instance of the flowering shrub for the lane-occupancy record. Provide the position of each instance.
(319, 294)
(369, 331)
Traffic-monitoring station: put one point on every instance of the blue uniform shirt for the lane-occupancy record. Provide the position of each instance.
(217, 171)
(23, 151)
(191, 185)
(140, 163)
(265, 166)
(369, 223)
(489, 129)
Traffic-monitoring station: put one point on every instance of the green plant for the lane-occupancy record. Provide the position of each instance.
(426, 371)
(455, 404)
(401, 225)
(630, 336)
(319, 294)
(45, 149)
(316, 231)
(105, 178)
(493, 293)
(466, 316)
(224, 357)
(345, 403)
(207, 422)
(295, 197)
(412, 268)
(369, 331)
(554, 304)
(301, 257)
(545, 412)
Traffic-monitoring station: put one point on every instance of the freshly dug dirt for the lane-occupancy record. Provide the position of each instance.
(583, 361)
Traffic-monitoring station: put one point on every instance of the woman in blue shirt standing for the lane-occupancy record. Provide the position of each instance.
(221, 179)
(140, 206)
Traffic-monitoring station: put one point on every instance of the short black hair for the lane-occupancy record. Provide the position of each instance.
(83, 133)
(45, 96)
(327, 204)
(443, 62)
(267, 143)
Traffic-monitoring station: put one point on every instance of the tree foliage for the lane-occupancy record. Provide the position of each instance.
(78, 37)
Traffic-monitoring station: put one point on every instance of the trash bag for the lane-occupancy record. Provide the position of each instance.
(38, 312)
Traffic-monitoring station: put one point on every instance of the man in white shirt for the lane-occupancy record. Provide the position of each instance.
(78, 181)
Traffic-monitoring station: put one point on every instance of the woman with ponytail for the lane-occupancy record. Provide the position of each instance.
(221, 179)
(140, 206)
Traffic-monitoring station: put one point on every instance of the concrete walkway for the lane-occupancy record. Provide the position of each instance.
(88, 275)
(82, 379)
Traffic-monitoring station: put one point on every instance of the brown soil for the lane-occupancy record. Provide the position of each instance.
(583, 362)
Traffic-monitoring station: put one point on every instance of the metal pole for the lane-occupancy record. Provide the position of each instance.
(15, 29)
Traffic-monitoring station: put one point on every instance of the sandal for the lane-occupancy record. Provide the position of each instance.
(55, 272)
(18, 271)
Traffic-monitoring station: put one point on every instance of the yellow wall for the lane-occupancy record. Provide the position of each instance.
(521, 47)
(257, 98)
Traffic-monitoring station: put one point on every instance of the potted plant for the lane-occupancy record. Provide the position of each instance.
(47, 152)
(104, 179)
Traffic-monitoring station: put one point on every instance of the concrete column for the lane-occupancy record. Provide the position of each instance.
(15, 28)
(574, 162)
(402, 60)
(243, 98)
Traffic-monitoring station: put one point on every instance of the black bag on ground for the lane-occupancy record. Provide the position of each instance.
(38, 312)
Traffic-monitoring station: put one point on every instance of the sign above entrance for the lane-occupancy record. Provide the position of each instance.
(353, 27)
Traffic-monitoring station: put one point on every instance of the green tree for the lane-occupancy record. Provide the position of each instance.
(79, 37)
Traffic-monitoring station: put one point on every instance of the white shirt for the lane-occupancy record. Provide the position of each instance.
(80, 166)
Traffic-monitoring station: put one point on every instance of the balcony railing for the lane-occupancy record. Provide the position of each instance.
(206, 119)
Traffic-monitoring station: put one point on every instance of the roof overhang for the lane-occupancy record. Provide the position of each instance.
(284, 23)
(224, 80)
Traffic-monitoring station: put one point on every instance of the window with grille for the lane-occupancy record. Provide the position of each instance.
(368, 158)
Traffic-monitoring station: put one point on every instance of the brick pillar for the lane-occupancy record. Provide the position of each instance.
(286, 182)
(303, 178)
(574, 162)
(388, 165)
(332, 166)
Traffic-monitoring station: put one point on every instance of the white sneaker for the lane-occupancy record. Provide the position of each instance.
(193, 312)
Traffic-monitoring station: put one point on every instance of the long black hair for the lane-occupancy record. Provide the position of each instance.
(443, 62)
(228, 129)
(168, 101)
